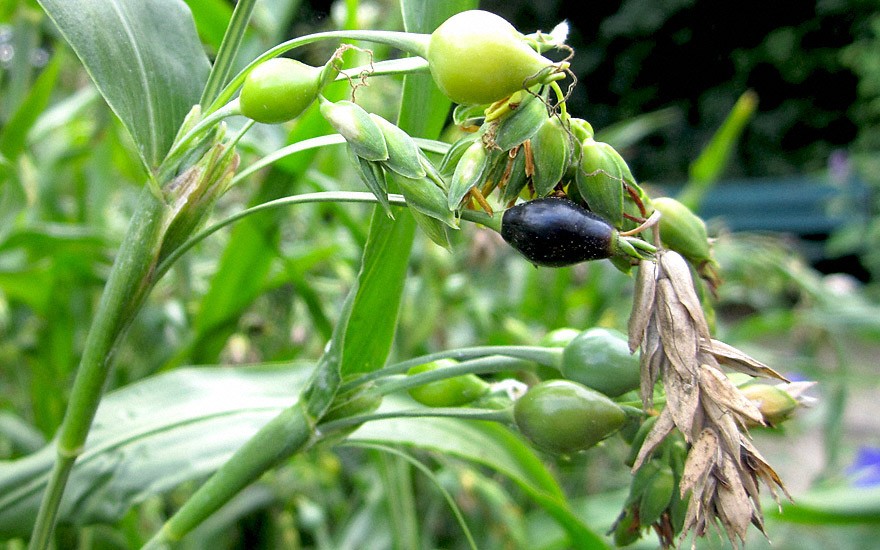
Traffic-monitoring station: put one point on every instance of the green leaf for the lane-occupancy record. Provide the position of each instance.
(357, 127)
(522, 123)
(403, 154)
(433, 228)
(211, 18)
(468, 173)
(373, 320)
(834, 505)
(550, 147)
(488, 444)
(14, 133)
(207, 413)
(423, 195)
(710, 165)
(373, 176)
(145, 58)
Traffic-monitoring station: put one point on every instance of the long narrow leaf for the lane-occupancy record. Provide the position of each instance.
(196, 417)
(145, 58)
(14, 134)
(422, 113)
(488, 444)
(710, 165)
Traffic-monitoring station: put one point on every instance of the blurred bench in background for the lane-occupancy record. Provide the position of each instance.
(808, 207)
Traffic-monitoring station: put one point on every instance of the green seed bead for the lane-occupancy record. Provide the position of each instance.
(279, 90)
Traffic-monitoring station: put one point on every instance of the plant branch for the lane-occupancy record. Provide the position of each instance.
(228, 50)
(128, 284)
(529, 357)
(413, 43)
(503, 416)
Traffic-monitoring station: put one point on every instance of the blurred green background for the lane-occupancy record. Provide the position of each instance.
(659, 77)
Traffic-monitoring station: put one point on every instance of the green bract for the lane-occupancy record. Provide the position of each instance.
(360, 130)
(449, 392)
(600, 358)
(477, 57)
(560, 416)
(682, 230)
(600, 180)
(279, 90)
(551, 148)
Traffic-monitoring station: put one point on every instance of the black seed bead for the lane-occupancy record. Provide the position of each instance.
(556, 232)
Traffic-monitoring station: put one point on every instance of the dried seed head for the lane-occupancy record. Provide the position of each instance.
(721, 472)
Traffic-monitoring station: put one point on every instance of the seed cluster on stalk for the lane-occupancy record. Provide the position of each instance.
(723, 467)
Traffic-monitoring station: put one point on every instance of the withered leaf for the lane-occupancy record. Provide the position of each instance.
(643, 303)
(733, 504)
(677, 330)
(662, 427)
(753, 459)
(682, 400)
(719, 389)
(676, 269)
(726, 426)
(700, 460)
(651, 364)
(730, 356)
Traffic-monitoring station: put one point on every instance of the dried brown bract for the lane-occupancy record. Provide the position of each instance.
(722, 468)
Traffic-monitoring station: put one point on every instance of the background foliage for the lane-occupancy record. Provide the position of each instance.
(271, 289)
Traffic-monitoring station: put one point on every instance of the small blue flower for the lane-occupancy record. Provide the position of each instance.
(865, 469)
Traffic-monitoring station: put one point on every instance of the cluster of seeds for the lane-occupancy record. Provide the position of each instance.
(567, 198)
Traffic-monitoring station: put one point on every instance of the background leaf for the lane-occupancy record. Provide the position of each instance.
(710, 165)
(149, 437)
(834, 505)
(14, 134)
(489, 444)
(386, 259)
(145, 58)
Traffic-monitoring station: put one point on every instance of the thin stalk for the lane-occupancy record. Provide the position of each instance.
(478, 216)
(503, 416)
(322, 196)
(550, 357)
(482, 365)
(128, 284)
(416, 44)
(275, 156)
(228, 50)
(288, 433)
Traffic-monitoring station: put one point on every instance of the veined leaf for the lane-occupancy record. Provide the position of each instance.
(145, 58)
(491, 445)
(196, 417)
(423, 111)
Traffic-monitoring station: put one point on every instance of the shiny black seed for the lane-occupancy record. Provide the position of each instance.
(556, 232)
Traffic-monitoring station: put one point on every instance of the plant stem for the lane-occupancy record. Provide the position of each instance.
(483, 365)
(526, 355)
(503, 416)
(413, 43)
(321, 196)
(289, 432)
(128, 284)
(228, 50)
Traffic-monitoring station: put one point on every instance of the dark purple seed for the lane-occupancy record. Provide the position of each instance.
(556, 232)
